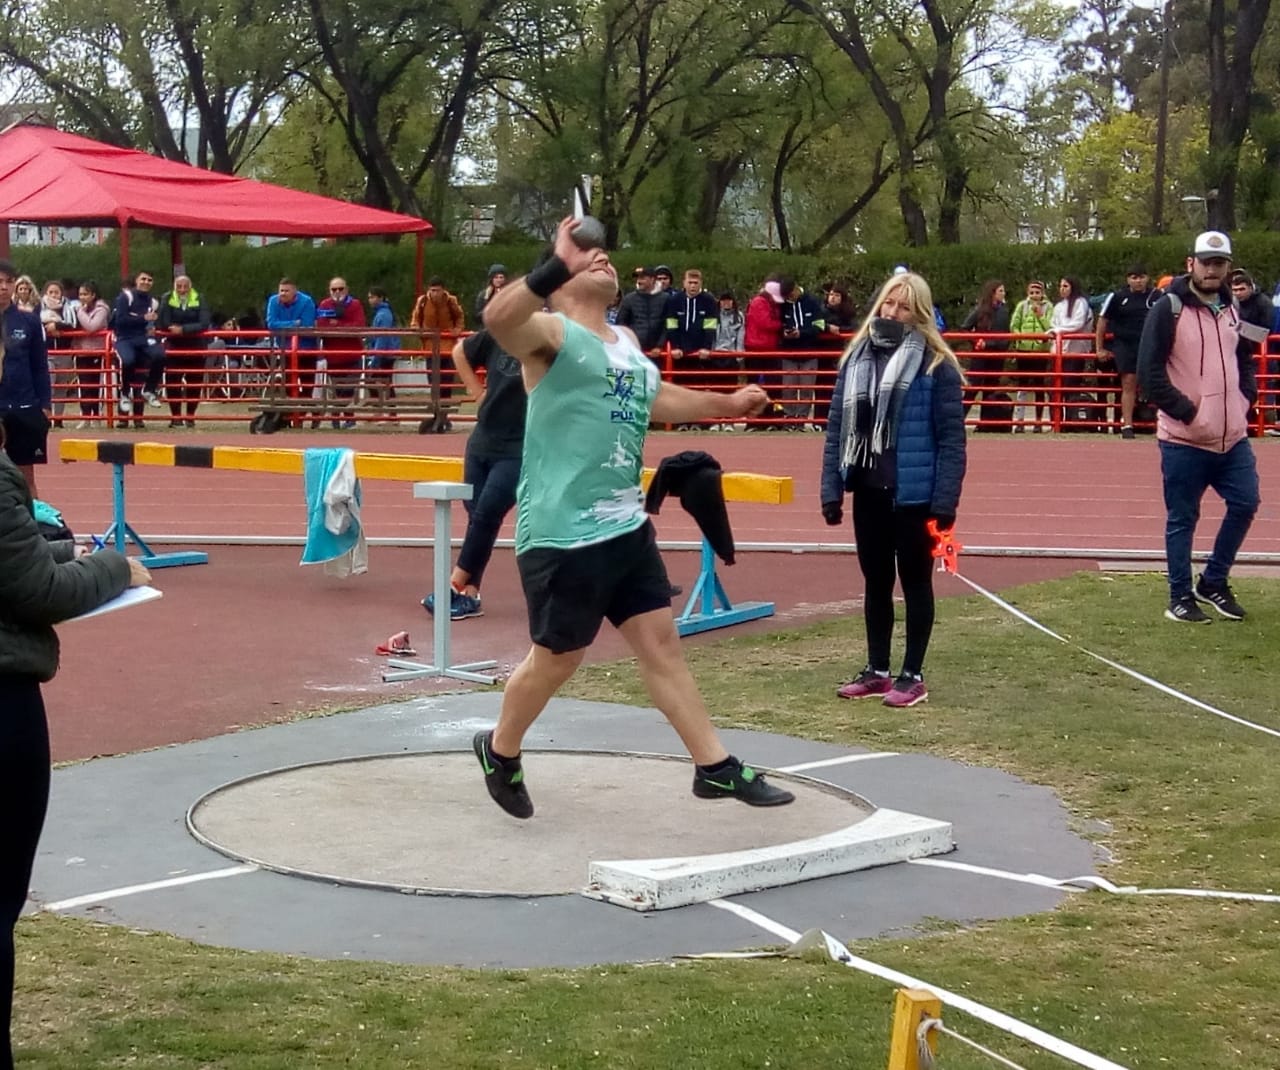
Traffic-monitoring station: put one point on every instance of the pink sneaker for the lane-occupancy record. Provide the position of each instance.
(866, 683)
(907, 690)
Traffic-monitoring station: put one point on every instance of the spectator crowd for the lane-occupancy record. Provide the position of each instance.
(784, 336)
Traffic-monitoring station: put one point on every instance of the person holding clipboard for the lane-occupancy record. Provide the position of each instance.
(37, 591)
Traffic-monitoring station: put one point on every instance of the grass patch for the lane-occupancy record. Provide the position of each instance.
(1189, 800)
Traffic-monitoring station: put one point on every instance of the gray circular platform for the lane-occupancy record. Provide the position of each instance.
(424, 823)
(117, 847)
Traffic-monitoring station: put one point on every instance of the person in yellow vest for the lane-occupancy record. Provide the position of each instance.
(184, 321)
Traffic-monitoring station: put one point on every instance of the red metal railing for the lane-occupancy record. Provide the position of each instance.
(1062, 387)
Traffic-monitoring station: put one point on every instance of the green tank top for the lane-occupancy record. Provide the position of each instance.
(583, 441)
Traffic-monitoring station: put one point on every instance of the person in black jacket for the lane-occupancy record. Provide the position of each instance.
(896, 439)
(804, 322)
(133, 321)
(26, 393)
(989, 316)
(692, 319)
(184, 319)
(36, 591)
(644, 310)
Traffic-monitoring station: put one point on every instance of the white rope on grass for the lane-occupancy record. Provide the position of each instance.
(802, 943)
(1140, 677)
(1090, 881)
(926, 1056)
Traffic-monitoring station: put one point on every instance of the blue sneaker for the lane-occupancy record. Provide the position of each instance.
(461, 606)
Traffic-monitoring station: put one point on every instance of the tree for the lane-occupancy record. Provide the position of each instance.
(658, 86)
(124, 73)
(1233, 38)
(916, 56)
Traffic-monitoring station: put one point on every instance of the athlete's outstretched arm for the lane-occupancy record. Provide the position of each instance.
(678, 404)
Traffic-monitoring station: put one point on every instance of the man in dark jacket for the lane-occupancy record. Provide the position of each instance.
(26, 397)
(803, 322)
(645, 312)
(184, 319)
(692, 317)
(133, 319)
(1197, 369)
(1257, 319)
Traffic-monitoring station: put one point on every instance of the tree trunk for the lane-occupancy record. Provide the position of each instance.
(718, 176)
(1230, 87)
(786, 152)
(851, 41)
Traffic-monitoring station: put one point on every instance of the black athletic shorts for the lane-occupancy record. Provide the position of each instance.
(1126, 355)
(571, 592)
(26, 436)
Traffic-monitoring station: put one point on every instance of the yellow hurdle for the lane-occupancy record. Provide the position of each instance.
(707, 606)
(404, 468)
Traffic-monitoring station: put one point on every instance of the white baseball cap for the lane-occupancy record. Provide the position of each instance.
(774, 290)
(1211, 244)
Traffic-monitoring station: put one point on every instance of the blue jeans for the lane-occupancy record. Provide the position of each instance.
(493, 481)
(134, 353)
(1188, 472)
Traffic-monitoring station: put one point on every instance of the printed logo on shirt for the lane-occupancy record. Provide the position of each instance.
(622, 392)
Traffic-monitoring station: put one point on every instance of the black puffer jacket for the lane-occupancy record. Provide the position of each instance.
(646, 314)
(36, 590)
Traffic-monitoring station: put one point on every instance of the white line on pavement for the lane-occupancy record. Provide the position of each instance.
(151, 886)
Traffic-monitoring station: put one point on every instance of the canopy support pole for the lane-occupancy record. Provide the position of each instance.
(124, 250)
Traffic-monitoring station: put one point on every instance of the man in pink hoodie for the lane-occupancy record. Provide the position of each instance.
(1197, 368)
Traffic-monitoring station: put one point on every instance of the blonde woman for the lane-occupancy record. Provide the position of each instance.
(25, 294)
(896, 441)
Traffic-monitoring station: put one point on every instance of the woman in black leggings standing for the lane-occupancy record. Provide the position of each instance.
(896, 439)
(36, 591)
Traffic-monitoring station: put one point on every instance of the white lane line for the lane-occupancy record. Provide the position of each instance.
(842, 954)
(151, 886)
(1140, 677)
(757, 919)
(986, 871)
(826, 763)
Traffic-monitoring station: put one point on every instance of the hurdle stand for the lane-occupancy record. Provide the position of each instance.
(120, 532)
(444, 495)
(118, 453)
(714, 610)
(708, 606)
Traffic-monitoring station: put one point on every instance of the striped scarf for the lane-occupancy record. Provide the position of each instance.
(871, 423)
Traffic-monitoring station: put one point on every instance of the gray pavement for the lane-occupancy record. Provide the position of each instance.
(116, 841)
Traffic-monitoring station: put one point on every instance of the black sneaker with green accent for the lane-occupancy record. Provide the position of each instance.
(738, 781)
(503, 778)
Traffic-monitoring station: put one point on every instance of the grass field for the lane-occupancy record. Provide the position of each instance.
(1189, 799)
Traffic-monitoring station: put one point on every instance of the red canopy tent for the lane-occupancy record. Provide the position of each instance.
(47, 176)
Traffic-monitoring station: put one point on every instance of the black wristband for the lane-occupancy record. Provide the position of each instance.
(548, 277)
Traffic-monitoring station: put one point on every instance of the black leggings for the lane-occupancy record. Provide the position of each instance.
(889, 535)
(24, 796)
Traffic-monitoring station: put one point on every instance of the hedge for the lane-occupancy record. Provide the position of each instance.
(235, 276)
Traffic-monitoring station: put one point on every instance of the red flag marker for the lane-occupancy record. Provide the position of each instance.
(945, 548)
